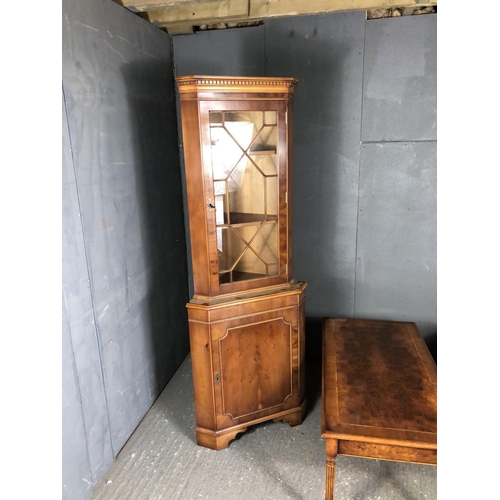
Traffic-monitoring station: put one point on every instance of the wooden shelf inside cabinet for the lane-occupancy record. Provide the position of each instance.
(236, 135)
(262, 152)
(227, 277)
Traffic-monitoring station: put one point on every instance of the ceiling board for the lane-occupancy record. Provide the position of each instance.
(185, 16)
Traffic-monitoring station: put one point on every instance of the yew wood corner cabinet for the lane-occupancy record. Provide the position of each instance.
(246, 319)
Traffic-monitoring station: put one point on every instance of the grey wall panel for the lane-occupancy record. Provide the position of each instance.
(84, 460)
(234, 52)
(118, 83)
(86, 434)
(77, 479)
(325, 53)
(396, 262)
(399, 101)
(396, 265)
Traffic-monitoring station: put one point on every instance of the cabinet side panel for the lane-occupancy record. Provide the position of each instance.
(195, 195)
(201, 358)
(289, 187)
(302, 347)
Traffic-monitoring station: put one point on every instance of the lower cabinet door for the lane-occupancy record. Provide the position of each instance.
(255, 362)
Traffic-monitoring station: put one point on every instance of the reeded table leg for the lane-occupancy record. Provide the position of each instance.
(331, 454)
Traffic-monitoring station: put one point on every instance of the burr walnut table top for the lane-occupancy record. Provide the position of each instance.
(379, 386)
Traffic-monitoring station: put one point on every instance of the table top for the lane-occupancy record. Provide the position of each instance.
(379, 383)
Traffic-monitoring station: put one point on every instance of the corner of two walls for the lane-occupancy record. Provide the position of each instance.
(364, 155)
(125, 282)
(364, 195)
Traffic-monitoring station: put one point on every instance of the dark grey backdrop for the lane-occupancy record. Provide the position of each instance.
(364, 203)
(125, 282)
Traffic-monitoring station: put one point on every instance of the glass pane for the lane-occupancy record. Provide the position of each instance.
(266, 140)
(245, 171)
(265, 243)
(248, 252)
(273, 269)
(231, 249)
(225, 153)
(250, 266)
(267, 164)
(246, 193)
(216, 118)
(270, 117)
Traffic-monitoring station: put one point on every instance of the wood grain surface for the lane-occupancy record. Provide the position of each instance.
(379, 383)
(379, 394)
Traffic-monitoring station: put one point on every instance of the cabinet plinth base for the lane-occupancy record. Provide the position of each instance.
(220, 440)
(217, 440)
(294, 418)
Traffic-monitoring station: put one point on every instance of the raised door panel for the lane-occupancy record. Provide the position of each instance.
(255, 366)
(245, 171)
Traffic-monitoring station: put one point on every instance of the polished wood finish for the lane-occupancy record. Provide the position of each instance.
(247, 316)
(200, 95)
(331, 458)
(248, 362)
(242, 86)
(379, 393)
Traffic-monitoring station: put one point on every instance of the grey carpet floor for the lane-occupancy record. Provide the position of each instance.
(272, 460)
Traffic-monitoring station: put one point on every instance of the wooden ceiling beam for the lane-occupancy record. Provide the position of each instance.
(200, 12)
(188, 13)
(147, 5)
(262, 9)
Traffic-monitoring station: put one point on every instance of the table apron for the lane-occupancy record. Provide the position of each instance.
(388, 452)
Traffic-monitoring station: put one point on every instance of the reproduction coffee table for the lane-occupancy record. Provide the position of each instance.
(379, 393)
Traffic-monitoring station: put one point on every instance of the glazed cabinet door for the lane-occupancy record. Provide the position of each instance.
(256, 369)
(244, 155)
